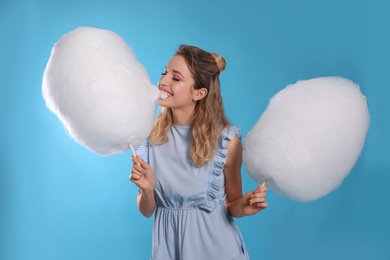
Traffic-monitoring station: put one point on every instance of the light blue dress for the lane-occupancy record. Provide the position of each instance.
(191, 220)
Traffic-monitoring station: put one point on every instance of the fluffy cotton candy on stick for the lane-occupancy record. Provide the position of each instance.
(309, 138)
(98, 89)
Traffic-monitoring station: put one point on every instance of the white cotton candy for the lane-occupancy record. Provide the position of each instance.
(309, 138)
(100, 92)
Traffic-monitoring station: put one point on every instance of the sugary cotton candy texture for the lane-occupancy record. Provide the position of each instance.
(309, 138)
(100, 92)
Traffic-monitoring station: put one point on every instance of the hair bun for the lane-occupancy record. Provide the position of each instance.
(220, 61)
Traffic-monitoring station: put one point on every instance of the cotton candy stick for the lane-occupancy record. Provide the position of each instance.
(264, 183)
(132, 149)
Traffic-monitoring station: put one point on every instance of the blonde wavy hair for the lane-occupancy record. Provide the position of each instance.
(209, 118)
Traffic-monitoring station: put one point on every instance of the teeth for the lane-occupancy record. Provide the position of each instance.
(164, 95)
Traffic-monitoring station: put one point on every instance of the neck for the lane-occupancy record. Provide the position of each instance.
(183, 116)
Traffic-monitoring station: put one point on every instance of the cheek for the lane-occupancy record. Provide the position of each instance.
(184, 95)
(183, 89)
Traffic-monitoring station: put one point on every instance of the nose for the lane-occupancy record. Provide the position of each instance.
(163, 81)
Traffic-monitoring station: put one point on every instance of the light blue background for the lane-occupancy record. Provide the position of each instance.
(60, 201)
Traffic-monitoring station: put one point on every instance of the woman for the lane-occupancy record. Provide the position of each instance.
(189, 173)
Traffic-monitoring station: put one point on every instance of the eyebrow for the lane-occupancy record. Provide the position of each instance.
(175, 71)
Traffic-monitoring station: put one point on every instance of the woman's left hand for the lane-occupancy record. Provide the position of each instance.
(254, 201)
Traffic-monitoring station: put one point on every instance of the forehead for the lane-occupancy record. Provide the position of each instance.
(178, 63)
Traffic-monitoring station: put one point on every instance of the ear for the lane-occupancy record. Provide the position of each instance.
(198, 94)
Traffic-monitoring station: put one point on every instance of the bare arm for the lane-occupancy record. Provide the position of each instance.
(142, 175)
(237, 204)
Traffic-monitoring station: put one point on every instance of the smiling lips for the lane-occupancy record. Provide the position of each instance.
(164, 94)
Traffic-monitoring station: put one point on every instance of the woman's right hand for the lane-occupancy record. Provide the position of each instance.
(142, 174)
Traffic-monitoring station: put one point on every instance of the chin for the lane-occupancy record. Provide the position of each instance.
(161, 102)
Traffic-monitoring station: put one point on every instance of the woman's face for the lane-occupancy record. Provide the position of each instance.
(176, 84)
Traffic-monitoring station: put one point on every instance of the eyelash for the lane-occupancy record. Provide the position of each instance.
(175, 79)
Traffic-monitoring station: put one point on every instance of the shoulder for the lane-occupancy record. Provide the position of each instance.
(230, 137)
(230, 132)
(232, 142)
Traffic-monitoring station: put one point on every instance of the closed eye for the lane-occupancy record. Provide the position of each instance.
(176, 76)
(175, 79)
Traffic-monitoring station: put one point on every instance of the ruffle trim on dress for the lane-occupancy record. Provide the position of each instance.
(216, 183)
(143, 151)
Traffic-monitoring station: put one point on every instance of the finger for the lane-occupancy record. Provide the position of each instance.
(136, 171)
(256, 200)
(138, 167)
(261, 189)
(134, 177)
(135, 160)
(144, 164)
(258, 196)
(262, 205)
